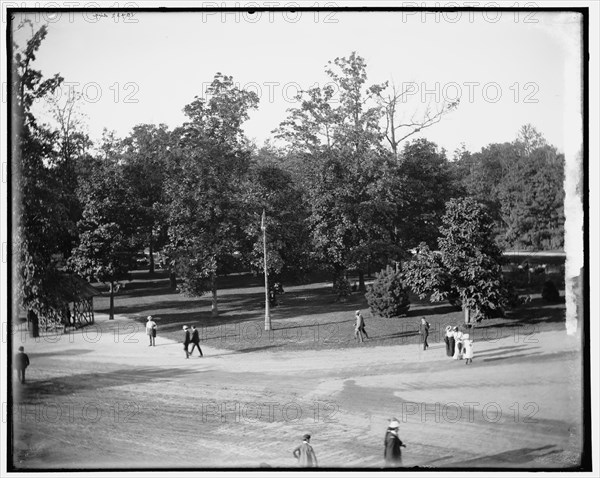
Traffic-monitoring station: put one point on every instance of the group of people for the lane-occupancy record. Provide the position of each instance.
(459, 344)
(392, 449)
(191, 336)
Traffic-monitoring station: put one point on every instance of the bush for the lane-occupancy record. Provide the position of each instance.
(387, 296)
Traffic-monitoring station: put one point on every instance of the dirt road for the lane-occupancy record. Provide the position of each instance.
(102, 398)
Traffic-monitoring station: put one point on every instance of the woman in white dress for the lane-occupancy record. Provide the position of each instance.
(468, 349)
(458, 344)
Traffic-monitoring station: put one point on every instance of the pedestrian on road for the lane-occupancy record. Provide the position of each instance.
(392, 443)
(424, 331)
(186, 341)
(468, 349)
(196, 341)
(449, 344)
(305, 454)
(359, 328)
(21, 363)
(151, 331)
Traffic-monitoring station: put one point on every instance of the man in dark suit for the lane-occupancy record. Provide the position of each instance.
(196, 341)
(392, 444)
(21, 363)
(186, 341)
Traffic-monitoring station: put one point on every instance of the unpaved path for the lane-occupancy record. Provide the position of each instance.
(101, 398)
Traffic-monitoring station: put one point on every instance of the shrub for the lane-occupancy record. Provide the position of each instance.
(387, 296)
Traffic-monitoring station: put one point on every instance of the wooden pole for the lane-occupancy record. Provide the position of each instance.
(263, 226)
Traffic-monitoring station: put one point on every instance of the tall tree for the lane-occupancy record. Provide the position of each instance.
(41, 214)
(210, 161)
(107, 239)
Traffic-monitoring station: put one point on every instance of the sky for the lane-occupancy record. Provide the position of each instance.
(508, 68)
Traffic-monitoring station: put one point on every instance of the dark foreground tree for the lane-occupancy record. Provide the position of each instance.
(41, 216)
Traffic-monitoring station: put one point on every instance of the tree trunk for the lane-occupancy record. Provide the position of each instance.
(151, 248)
(215, 306)
(111, 313)
(467, 315)
(33, 324)
(361, 281)
(173, 280)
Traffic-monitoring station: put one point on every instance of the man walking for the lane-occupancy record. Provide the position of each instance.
(424, 331)
(21, 363)
(359, 328)
(195, 341)
(186, 341)
(151, 331)
(305, 454)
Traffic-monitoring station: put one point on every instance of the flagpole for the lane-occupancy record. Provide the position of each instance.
(263, 226)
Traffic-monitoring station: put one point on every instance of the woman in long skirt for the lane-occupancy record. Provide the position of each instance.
(458, 343)
(447, 337)
(468, 349)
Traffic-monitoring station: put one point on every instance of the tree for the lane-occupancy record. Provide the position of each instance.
(398, 129)
(41, 217)
(145, 159)
(522, 184)
(210, 160)
(468, 266)
(342, 168)
(272, 189)
(427, 184)
(107, 242)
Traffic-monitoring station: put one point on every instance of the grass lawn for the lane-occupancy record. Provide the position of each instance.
(308, 316)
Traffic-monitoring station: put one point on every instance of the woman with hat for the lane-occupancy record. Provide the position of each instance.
(305, 454)
(392, 443)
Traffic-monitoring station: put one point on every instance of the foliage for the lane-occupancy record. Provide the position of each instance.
(387, 296)
(522, 184)
(107, 244)
(205, 182)
(467, 265)
(42, 221)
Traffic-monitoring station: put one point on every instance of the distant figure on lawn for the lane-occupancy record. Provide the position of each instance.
(186, 341)
(458, 341)
(449, 340)
(21, 363)
(305, 454)
(468, 349)
(359, 328)
(392, 443)
(424, 331)
(196, 341)
(151, 331)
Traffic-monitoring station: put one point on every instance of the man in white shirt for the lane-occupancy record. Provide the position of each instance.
(151, 331)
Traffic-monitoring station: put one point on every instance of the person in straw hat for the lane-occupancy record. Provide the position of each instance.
(305, 454)
(392, 444)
